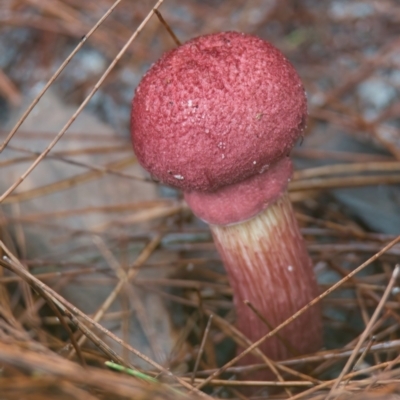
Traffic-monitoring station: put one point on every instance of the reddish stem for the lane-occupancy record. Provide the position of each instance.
(267, 263)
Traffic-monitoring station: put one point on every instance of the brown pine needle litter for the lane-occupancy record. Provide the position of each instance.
(109, 287)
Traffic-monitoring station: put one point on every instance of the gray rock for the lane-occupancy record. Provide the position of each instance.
(70, 239)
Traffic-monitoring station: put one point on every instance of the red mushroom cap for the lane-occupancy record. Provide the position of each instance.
(216, 111)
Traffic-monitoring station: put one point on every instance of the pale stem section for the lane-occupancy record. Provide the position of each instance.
(268, 264)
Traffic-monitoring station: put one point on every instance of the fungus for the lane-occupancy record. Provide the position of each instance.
(217, 117)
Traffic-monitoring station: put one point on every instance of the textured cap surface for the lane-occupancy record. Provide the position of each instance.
(217, 110)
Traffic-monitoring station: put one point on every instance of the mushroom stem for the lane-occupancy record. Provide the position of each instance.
(268, 265)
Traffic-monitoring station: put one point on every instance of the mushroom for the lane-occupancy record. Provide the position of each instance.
(217, 117)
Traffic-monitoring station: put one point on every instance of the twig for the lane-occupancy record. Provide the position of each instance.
(327, 170)
(167, 27)
(74, 180)
(9, 90)
(342, 182)
(201, 349)
(367, 329)
(364, 353)
(329, 383)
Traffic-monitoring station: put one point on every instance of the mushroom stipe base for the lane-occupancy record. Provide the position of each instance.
(268, 265)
